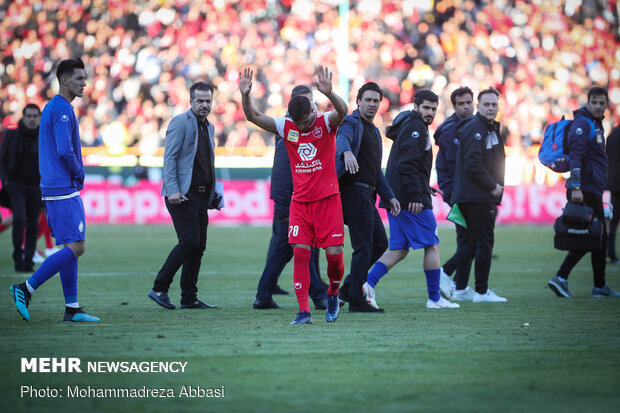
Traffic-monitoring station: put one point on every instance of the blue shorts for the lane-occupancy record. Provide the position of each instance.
(409, 230)
(66, 220)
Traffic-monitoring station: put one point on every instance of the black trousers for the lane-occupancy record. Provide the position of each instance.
(613, 226)
(26, 205)
(480, 219)
(596, 257)
(368, 238)
(455, 263)
(279, 254)
(190, 220)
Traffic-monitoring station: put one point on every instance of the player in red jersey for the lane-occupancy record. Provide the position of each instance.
(316, 212)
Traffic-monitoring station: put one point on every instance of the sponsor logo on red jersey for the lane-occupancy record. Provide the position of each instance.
(306, 151)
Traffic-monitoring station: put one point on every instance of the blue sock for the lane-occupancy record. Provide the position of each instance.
(432, 283)
(68, 278)
(51, 266)
(376, 273)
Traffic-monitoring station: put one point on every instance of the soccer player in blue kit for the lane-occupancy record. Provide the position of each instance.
(62, 177)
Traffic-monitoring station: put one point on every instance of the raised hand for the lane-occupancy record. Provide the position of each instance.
(245, 81)
(323, 81)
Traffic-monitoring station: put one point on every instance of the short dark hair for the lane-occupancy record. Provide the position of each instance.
(425, 94)
(598, 91)
(31, 106)
(488, 90)
(298, 107)
(204, 86)
(68, 66)
(300, 90)
(369, 86)
(460, 92)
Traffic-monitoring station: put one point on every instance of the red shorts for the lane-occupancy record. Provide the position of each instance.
(319, 221)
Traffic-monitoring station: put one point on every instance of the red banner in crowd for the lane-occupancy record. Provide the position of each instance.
(247, 202)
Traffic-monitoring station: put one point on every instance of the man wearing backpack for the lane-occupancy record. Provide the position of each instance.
(588, 177)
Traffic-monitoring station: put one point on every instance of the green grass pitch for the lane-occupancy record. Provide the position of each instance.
(479, 358)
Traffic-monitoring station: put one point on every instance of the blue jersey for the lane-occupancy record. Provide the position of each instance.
(60, 151)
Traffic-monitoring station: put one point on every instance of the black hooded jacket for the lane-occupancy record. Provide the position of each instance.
(411, 158)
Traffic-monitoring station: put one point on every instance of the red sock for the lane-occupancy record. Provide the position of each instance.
(335, 271)
(301, 277)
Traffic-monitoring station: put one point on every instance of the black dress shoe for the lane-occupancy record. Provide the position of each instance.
(278, 290)
(198, 304)
(355, 307)
(161, 299)
(343, 293)
(265, 304)
(320, 303)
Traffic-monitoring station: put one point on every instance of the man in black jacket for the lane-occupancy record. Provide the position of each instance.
(448, 141)
(19, 171)
(478, 189)
(588, 178)
(408, 174)
(358, 164)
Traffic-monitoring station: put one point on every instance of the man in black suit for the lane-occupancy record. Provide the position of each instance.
(189, 190)
(19, 172)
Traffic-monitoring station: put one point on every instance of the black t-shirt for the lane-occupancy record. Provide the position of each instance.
(202, 173)
(27, 171)
(366, 158)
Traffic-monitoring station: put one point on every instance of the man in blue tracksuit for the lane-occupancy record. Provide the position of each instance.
(448, 141)
(360, 178)
(588, 177)
(62, 177)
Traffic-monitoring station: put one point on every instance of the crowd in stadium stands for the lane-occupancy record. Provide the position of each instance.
(540, 54)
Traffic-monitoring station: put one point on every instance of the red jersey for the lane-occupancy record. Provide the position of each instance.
(312, 156)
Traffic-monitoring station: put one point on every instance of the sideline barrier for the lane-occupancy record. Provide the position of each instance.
(247, 202)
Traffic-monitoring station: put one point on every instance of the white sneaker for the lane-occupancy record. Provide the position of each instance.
(369, 294)
(445, 284)
(489, 297)
(441, 303)
(50, 251)
(37, 258)
(466, 294)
